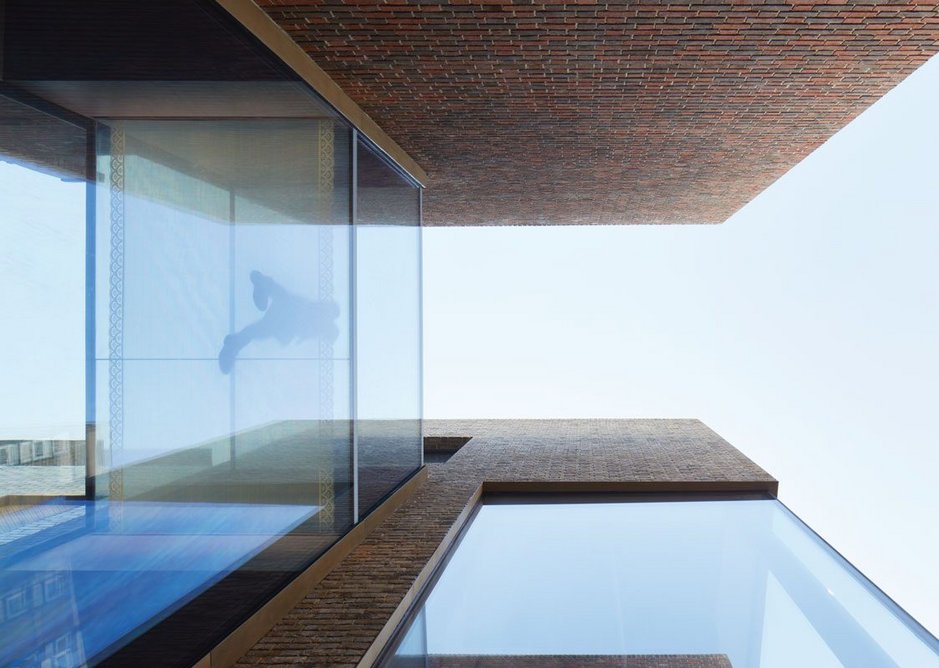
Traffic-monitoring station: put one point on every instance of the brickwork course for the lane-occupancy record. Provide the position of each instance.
(591, 112)
(341, 620)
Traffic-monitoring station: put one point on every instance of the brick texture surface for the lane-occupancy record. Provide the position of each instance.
(344, 614)
(544, 112)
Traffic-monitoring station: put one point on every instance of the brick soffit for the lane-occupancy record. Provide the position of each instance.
(585, 112)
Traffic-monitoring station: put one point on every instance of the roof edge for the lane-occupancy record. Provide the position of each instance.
(258, 23)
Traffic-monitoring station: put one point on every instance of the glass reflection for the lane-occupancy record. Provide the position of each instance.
(388, 328)
(716, 583)
(42, 271)
(177, 432)
(225, 356)
(153, 554)
(215, 299)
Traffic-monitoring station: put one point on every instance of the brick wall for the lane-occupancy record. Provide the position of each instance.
(551, 112)
(346, 618)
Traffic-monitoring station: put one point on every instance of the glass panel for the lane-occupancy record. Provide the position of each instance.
(213, 366)
(388, 328)
(718, 583)
(42, 271)
(224, 344)
(227, 326)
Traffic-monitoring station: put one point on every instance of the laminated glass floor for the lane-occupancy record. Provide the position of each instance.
(79, 579)
(676, 583)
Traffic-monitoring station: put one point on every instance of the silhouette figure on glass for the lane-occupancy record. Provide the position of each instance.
(288, 318)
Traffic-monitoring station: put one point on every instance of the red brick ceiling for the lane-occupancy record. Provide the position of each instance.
(608, 112)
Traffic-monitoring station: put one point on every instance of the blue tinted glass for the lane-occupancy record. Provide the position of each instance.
(189, 310)
(175, 248)
(743, 582)
(178, 257)
(118, 569)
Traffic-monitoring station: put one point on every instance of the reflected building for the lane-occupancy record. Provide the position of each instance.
(211, 435)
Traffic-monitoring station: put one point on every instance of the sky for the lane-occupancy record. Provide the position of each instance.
(803, 330)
